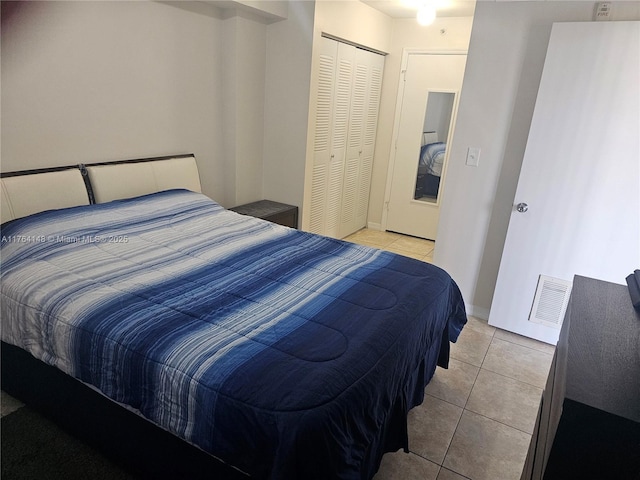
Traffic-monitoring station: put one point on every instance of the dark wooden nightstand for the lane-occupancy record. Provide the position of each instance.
(275, 212)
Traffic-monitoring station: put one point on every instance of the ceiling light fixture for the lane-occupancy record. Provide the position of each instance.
(426, 14)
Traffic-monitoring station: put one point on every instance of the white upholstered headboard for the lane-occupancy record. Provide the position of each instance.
(33, 191)
(24, 195)
(429, 137)
(132, 179)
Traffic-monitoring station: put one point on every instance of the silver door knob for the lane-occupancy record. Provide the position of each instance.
(522, 207)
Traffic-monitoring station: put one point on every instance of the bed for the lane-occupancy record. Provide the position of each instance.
(283, 353)
(430, 162)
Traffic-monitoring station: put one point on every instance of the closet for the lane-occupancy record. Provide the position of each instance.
(346, 118)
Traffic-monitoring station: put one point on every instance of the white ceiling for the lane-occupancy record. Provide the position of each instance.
(408, 8)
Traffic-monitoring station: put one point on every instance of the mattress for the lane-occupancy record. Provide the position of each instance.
(284, 353)
(431, 159)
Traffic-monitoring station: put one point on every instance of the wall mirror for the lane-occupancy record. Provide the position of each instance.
(433, 144)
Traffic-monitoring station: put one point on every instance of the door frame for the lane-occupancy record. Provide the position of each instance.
(406, 52)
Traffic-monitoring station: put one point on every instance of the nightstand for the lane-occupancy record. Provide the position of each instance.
(275, 212)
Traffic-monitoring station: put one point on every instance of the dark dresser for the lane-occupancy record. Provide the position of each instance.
(275, 212)
(589, 419)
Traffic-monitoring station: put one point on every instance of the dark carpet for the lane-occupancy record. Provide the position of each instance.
(35, 448)
(68, 431)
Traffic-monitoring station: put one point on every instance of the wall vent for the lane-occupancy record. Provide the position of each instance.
(550, 302)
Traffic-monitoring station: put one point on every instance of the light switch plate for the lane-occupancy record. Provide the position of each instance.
(473, 156)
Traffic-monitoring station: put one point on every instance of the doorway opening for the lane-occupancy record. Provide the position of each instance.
(427, 105)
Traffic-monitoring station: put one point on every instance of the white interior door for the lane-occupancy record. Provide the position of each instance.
(347, 102)
(333, 102)
(426, 78)
(580, 175)
(361, 139)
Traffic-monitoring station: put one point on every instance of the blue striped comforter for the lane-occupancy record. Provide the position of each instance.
(432, 158)
(287, 354)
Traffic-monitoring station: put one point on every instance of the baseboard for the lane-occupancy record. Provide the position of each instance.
(478, 312)
(374, 226)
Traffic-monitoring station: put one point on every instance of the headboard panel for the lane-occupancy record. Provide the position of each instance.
(31, 191)
(131, 179)
(23, 195)
(429, 137)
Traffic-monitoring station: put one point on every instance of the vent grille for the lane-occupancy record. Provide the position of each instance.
(550, 302)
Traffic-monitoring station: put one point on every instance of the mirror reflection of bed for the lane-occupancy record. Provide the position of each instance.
(430, 163)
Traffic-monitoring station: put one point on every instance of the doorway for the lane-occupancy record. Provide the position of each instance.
(427, 106)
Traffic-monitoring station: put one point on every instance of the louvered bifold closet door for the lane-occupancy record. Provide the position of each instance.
(363, 121)
(333, 103)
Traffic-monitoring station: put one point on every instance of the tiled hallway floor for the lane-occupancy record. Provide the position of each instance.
(477, 417)
(394, 242)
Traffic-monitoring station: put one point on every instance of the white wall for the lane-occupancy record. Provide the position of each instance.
(353, 21)
(274, 10)
(99, 81)
(95, 81)
(243, 95)
(288, 77)
(498, 96)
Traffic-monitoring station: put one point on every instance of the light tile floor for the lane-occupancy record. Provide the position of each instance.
(394, 242)
(478, 416)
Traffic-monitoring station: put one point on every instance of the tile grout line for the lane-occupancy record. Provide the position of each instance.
(524, 346)
(459, 474)
(498, 421)
(507, 376)
(512, 378)
(481, 367)
(464, 409)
